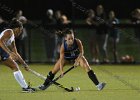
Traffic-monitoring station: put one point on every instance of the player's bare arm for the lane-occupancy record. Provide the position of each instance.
(14, 50)
(61, 58)
(80, 46)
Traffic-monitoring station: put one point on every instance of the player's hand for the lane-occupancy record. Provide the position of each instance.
(26, 67)
(14, 56)
(62, 74)
(76, 62)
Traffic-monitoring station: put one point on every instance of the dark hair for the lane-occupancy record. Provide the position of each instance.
(68, 31)
(15, 24)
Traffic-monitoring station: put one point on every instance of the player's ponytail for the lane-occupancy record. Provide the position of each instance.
(68, 31)
(15, 24)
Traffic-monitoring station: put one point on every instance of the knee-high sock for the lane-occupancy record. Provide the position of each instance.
(20, 79)
(93, 77)
(50, 77)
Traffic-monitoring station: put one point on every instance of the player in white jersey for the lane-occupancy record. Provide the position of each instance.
(9, 54)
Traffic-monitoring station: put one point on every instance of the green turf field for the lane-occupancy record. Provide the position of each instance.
(123, 83)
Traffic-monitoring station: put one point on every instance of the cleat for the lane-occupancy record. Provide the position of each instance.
(28, 90)
(43, 87)
(100, 86)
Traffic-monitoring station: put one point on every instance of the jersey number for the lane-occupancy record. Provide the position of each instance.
(72, 54)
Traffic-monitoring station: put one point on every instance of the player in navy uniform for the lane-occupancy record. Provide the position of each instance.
(9, 54)
(72, 50)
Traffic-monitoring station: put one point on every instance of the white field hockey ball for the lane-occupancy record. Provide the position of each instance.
(77, 89)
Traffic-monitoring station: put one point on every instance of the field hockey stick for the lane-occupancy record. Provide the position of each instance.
(37, 74)
(63, 73)
(56, 83)
(43, 77)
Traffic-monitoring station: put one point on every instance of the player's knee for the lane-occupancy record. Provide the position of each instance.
(87, 68)
(82, 57)
(14, 68)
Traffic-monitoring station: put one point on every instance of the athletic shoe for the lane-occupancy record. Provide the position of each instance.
(44, 87)
(100, 86)
(28, 90)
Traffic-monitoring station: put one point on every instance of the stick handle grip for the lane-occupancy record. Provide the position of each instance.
(64, 73)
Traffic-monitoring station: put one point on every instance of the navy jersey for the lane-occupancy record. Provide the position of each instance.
(71, 53)
(4, 55)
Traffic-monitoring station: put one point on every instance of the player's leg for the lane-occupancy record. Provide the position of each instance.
(91, 74)
(18, 74)
(83, 63)
(52, 73)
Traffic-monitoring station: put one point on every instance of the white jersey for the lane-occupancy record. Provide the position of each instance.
(10, 40)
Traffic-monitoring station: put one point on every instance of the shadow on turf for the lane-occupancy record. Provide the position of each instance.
(120, 89)
(122, 80)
